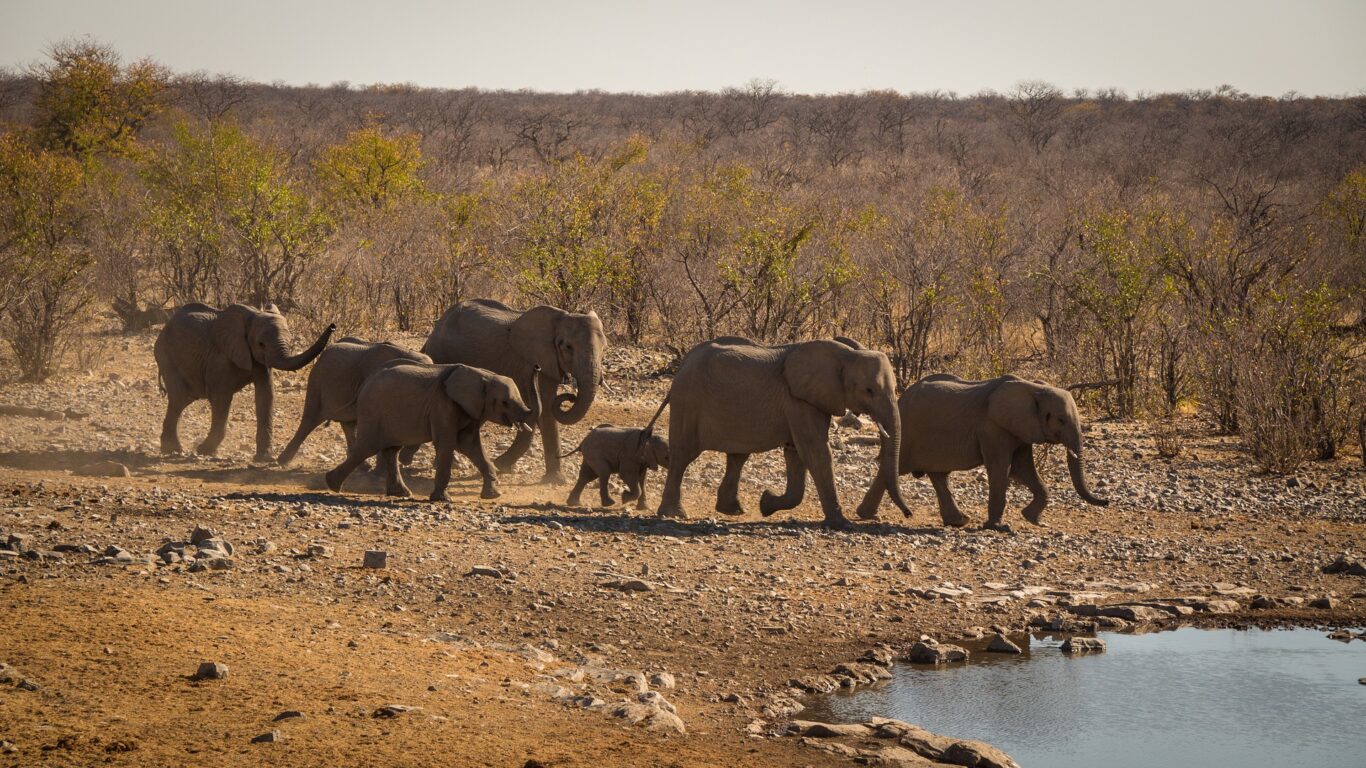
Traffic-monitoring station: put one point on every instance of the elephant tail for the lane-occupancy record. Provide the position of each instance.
(576, 449)
(161, 381)
(649, 428)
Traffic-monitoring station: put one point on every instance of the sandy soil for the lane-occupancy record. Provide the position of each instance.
(733, 609)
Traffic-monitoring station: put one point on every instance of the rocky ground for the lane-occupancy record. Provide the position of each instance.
(522, 632)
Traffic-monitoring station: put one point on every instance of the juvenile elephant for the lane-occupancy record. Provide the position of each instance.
(335, 381)
(624, 451)
(406, 403)
(952, 425)
(203, 352)
(738, 397)
(512, 343)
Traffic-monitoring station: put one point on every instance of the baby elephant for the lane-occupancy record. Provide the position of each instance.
(630, 453)
(407, 403)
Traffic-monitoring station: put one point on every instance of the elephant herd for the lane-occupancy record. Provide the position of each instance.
(486, 362)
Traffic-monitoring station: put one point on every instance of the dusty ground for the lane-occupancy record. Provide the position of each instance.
(735, 608)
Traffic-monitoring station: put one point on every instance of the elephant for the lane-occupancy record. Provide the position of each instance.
(624, 451)
(203, 352)
(335, 380)
(952, 425)
(738, 397)
(492, 335)
(406, 403)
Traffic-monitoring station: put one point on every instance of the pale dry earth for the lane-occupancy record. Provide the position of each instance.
(503, 669)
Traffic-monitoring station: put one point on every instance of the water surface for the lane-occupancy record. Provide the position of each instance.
(1189, 697)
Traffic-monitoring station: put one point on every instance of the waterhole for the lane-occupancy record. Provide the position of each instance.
(1188, 697)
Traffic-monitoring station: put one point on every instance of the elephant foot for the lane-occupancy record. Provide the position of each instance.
(866, 511)
(640, 504)
(334, 481)
(205, 449)
(998, 527)
(439, 496)
(836, 522)
(263, 459)
(171, 448)
(958, 521)
(402, 492)
(573, 501)
(1035, 516)
(673, 511)
(490, 492)
(504, 465)
(553, 478)
(628, 496)
(732, 507)
(771, 503)
(607, 502)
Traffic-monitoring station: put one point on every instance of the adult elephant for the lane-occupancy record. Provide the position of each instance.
(335, 381)
(952, 425)
(561, 345)
(203, 352)
(738, 397)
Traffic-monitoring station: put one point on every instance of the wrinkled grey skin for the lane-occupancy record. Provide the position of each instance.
(208, 353)
(738, 397)
(512, 343)
(406, 403)
(334, 381)
(624, 451)
(952, 425)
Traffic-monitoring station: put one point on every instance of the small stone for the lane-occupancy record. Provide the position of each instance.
(376, 558)
(662, 680)
(1326, 602)
(201, 534)
(485, 570)
(930, 652)
(288, 714)
(102, 469)
(1083, 645)
(1000, 644)
(269, 737)
(27, 685)
(211, 670)
(394, 710)
(630, 585)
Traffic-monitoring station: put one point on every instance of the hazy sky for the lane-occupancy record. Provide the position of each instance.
(1260, 46)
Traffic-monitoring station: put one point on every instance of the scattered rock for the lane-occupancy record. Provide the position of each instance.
(211, 670)
(662, 680)
(1083, 645)
(1326, 602)
(269, 737)
(288, 714)
(829, 730)
(27, 685)
(394, 710)
(931, 652)
(1000, 644)
(485, 570)
(1344, 565)
(102, 469)
(630, 585)
(201, 534)
(375, 558)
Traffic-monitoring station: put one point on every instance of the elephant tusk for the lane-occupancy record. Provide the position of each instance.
(1073, 454)
(882, 432)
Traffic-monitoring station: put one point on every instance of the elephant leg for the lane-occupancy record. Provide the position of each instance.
(639, 489)
(520, 444)
(472, 448)
(348, 429)
(393, 481)
(948, 508)
(998, 480)
(586, 476)
(810, 437)
(550, 444)
(220, 403)
(176, 403)
(796, 486)
(605, 490)
(867, 509)
(358, 454)
(405, 456)
(441, 466)
(265, 413)
(728, 494)
(309, 421)
(682, 452)
(630, 474)
(1022, 469)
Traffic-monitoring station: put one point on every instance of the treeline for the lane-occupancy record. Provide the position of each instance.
(1163, 251)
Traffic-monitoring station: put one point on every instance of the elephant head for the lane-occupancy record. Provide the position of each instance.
(1037, 413)
(652, 450)
(250, 337)
(563, 345)
(488, 397)
(835, 377)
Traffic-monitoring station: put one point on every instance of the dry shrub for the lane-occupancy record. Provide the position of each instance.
(1167, 437)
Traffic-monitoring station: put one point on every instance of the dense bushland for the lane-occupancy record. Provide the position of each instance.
(1165, 251)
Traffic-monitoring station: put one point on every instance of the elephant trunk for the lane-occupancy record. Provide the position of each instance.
(889, 457)
(586, 376)
(1079, 479)
(283, 361)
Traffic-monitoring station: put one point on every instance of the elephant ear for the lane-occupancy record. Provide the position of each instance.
(465, 387)
(533, 337)
(644, 448)
(229, 331)
(814, 372)
(1014, 407)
